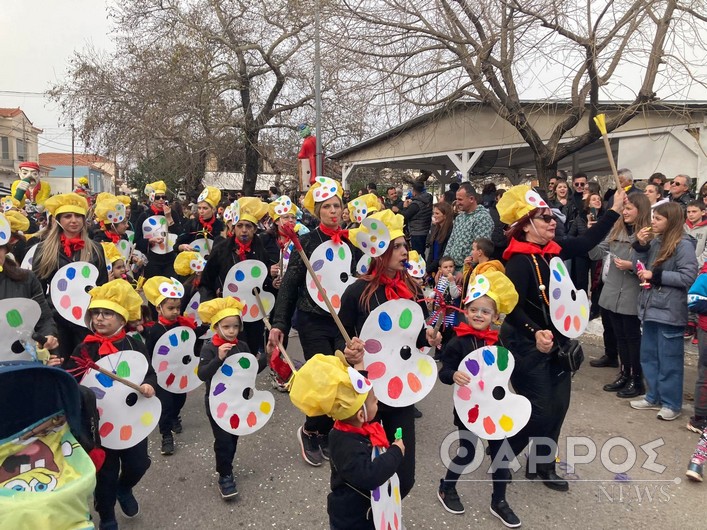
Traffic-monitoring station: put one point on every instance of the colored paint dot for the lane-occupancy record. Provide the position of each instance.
(185, 335)
(489, 357)
(227, 370)
(473, 414)
(163, 366)
(556, 293)
(374, 226)
(405, 319)
(583, 311)
(385, 322)
(104, 380)
(244, 362)
(424, 367)
(376, 370)
(152, 221)
(318, 264)
(232, 287)
(105, 429)
(329, 254)
(265, 407)
(240, 276)
(126, 431)
(100, 394)
(77, 312)
(71, 273)
(473, 366)
(341, 253)
(254, 311)
(123, 369)
(235, 421)
(252, 419)
(336, 301)
(557, 276)
(568, 322)
(86, 271)
(464, 393)
(502, 359)
(14, 319)
(62, 285)
(577, 323)
(170, 380)
(221, 410)
(183, 382)
(163, 350)
(414, 382)
(173, 339)
(372, 346)
(489, 425)
(381, 244)
(376, 495)
(255, 272)
(506, 423)
(559, 312)
(146, 419)
(395, 387)
(561, 268)
(476, 294)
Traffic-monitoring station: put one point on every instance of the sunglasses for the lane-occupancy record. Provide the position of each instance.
(160, 197)
(547, 217)
(673, 183)
(579, 184)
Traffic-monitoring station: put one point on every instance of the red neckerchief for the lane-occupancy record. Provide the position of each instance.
(110, 235)
(243, 248)
(218, 341)
(335, 234)
(282, 240)
(395, 287)
(106, 343)
(180, 321)
(372, 430)
(207, 226)
(490, 337)
(71, 245)
(523, 247)
(155, 210)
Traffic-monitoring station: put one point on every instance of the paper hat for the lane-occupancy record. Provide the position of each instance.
(252, 209)
(30, 165)
(214, 311)
(118, 296)
(324, 188)
(154, 188)
(83, 181)
(518, 202)
(111, 252)
(158, 288)
(110, 210)
(211, 195)
(188, 263)
(124, 199)
(281, 206)
(418, 267)
(496, 286)
(393, 221)
(66, 203)
(8, 203)
(326, 385)
(363, 206)
(18, 222)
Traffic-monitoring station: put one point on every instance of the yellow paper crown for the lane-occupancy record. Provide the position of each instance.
(66, 203)
(118, 296)
(210, 195)
(363, 206)
(187, 263)
(325, 386)
(111, 252)
(18, 222)
(158, 288)
(214, 311)
(155, 187)
(252, 209)
(496, 286)
(518, 202)
(110, 210)
(281, 206)
(323, 189)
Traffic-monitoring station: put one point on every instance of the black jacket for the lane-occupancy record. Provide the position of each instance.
(157, 264)
(418, 215)
(209, 363)
(192, 230)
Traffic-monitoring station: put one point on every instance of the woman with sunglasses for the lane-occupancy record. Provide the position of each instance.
(528, 331)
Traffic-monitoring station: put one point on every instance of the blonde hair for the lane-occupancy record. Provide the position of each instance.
(47, 263)
(643, 218)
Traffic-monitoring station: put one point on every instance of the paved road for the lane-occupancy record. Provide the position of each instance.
(278, 490)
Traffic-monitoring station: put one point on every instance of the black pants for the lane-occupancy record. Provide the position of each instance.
(317, 334)
(121, 471)
(404, 417)
(581, 266)
(611, 348)
(171, 407)
(225, 445)
(627, 330)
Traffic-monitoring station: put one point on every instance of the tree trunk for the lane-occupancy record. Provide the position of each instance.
(544, 172)
(252, 161)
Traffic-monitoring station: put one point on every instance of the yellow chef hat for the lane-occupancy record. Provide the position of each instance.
(211, 195)
(18, 222)
(326, 385)
(110, 210)
(8, 203)
(252, 209)
(83, 181)
(187, 263)
(393, 222)
(281, 206)
(518, 202)
(496, 286)
(111, 252)
(324, 188)
(124, 199)
(155, 187)
(158, 288)
(363, 206)
(66, 203)
(214, 311)
(118, 296)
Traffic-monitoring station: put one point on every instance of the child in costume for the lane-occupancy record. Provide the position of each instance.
(166, 295)
(112, 306)
(189, 266)
(206, 225)
(481, 312)
(327, 385)
(115, 262)
(224, 315)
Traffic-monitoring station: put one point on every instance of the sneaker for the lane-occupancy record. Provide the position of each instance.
(668, 414)
(227, 487)
(323, 441)
(310, 448)
(177, 426)
(644, 404)
(417, 412)
(167, 445)
(108, 525)
(449, 498)
(128, 503)
(694, 470)
(504, 512)
(694, 340)
(690, 330)
(697, 424)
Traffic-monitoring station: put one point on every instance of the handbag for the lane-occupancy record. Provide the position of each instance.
(569, 355)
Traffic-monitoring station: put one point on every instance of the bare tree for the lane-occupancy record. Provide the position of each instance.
(498, 51)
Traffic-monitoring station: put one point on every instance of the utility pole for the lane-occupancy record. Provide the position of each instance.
(318, 94)
(73, 159)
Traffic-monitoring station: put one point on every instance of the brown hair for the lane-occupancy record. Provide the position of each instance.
(373, 282)
(643, 219)
(441, 231)
(674, 230)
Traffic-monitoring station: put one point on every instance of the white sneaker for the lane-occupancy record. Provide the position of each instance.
(668, 414)
(643, 404)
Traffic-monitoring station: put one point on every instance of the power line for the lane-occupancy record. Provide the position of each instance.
(21, 93)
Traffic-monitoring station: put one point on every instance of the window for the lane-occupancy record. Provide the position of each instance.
(4, 148)
(21, 153)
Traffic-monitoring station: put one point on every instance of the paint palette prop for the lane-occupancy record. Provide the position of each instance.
(192, 311)
(203, 246)
(125, 248)
(234, 403)
(331, 263)
(401, 373)
(533, 198)
(240, 281)
(126, 416)
(326, 190)
(386, 504)
(174, 361)
(28, 260)
(485, 405)
(156, 226)
(18, 317)
(417, 267)
(282, 205)
(364, 265)
(360, 210)
(68, 290)
(373, 237)
(131, 235)
(569, 308)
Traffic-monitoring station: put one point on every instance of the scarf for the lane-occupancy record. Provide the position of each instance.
(207, 226)
(180, 321)
(71, 245)
(372, 430)
(110, 235)
(106, 343)
(243, 248)
(395, 287)
(218, 341)
(523, 247)
(155, 210)
(489, 336)
(335, 234)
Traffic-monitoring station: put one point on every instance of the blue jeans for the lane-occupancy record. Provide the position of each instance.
(662, 360)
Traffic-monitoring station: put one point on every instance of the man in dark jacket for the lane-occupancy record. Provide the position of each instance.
(418, 217)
